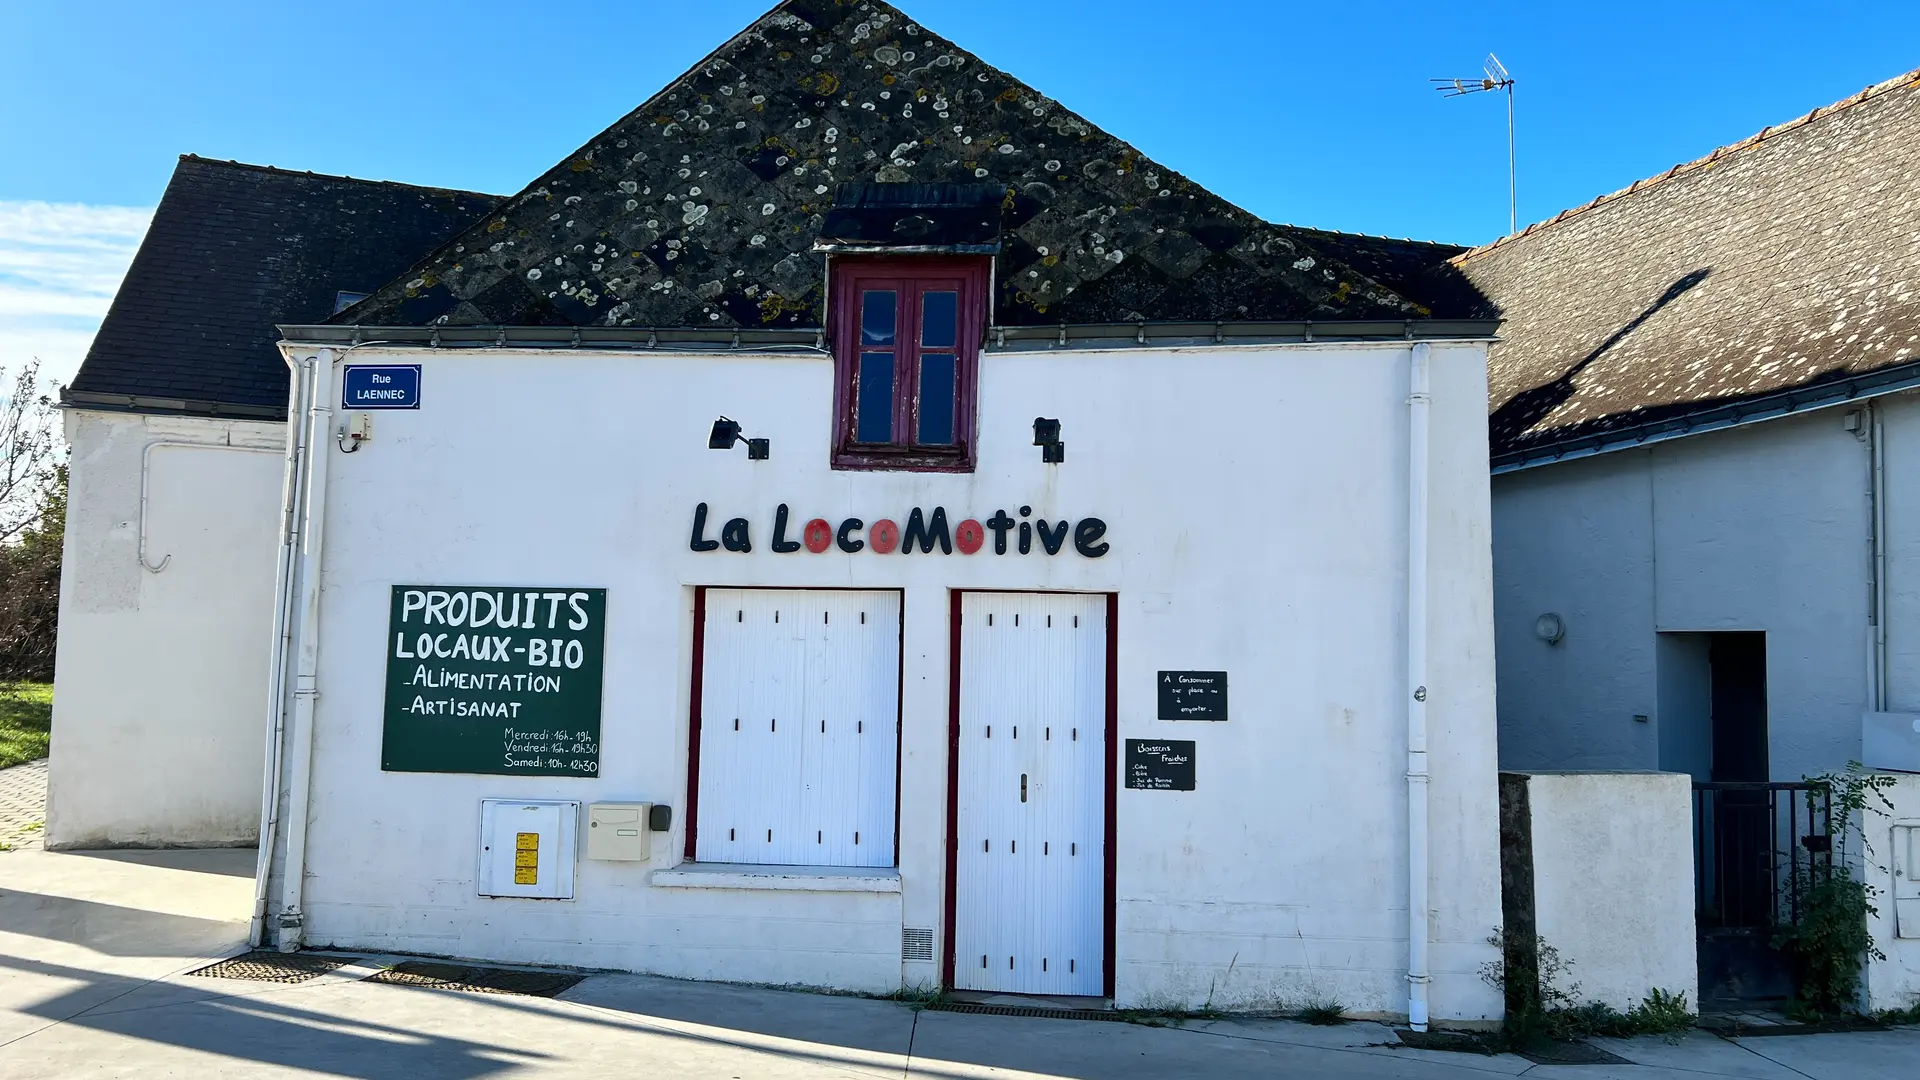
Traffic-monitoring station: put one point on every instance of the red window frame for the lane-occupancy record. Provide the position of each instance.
(910, 278)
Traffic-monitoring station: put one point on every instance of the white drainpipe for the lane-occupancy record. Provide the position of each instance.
(1877, 692)
(1419, 399)
(306, 649)
(283, 585)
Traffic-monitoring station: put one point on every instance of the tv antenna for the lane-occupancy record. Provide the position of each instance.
(1495, 77)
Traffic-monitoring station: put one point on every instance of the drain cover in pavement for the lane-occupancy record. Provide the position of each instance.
(478, 980)
(1571, 1053)
(266, 966)
(1025, 1010)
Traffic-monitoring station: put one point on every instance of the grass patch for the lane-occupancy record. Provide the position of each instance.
(1899, 1017)
(1322, 1014)
(26, 718)
(917, 997)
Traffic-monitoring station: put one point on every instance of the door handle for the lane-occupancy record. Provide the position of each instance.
(1023, 787)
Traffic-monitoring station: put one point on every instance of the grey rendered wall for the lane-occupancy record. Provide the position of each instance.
(1575, 539)
(1900, 423)
(1758, 528)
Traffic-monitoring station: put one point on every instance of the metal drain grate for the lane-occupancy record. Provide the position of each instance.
(1026, 1010)
(477, 980)
(1571, 1053)
(264, 965)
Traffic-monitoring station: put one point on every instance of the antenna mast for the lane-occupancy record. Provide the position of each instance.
(1495, 77)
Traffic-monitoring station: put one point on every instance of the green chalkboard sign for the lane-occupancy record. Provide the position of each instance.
(485, 679)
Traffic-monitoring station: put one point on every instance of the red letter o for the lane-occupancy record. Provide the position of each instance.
(968, 536)
(818, 535)
(883, 536)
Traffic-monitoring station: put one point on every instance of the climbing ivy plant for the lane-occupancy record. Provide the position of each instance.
(1829, 940)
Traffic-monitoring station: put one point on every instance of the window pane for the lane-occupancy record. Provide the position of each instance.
(938, 317)
(876, 317)
(873, 419)
(936, 399)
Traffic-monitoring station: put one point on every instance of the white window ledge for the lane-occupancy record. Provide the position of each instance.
(696, 875)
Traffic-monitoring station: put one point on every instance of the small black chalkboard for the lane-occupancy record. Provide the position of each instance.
(1160, 764)
(1193, 695)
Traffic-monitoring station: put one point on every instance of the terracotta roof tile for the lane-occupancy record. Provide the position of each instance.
(1786, 259)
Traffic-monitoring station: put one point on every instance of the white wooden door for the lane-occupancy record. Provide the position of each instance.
(799, 727)
(1030, 866)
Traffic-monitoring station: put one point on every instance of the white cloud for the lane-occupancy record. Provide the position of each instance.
(60, 264)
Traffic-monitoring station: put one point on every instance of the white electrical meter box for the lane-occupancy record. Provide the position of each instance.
(527, 848)
(619, 832)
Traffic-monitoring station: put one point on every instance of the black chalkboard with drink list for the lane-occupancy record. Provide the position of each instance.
(1160, 764)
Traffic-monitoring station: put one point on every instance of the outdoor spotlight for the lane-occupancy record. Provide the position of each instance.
(1046, 436)
(726, 433)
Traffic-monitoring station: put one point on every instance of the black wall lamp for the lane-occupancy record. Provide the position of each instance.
(726, 433)
(1046, 436)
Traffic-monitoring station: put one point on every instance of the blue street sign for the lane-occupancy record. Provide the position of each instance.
(385, 386)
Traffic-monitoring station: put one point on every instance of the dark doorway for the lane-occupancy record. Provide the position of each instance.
(1738, 664)
(1735, 829)
(1742, 825)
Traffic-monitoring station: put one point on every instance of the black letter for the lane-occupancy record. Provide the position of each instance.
(1050, 538)
(698, 543)
(999, 523)
(780, 542)
(1026, 537)
(847, 526)
(1085, 537)
(917, 527)
(734, 535)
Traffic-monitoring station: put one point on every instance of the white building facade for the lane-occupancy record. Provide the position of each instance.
(1006, 704)
(176, 423)
(166, 592)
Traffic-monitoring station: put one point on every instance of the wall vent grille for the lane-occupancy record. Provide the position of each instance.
(916, 943)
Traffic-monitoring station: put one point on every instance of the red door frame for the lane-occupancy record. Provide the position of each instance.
(953, 778)
(697, 687)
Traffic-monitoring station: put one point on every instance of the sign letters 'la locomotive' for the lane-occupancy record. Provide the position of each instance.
(927, 530)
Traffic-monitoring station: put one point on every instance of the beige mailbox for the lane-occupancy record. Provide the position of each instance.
(619, 832)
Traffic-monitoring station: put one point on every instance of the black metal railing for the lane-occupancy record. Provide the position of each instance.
(1755, 847)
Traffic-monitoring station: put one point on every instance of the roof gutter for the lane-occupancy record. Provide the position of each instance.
(144, 403)
(1802, 399)
(999, 338)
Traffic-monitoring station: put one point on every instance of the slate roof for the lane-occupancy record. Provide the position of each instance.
(235, 249)
(701, 207)
(1775, 266)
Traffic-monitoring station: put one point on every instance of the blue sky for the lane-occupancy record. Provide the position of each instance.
(1316, 114)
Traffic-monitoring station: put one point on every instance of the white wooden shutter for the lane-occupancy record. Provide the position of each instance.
(799, 713)
(1029, 911)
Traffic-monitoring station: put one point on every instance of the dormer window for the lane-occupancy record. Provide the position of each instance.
(907, 336)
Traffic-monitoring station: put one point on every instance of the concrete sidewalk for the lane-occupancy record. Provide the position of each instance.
(23, 805)
(94, 950)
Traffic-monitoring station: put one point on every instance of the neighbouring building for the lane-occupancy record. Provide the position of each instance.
(1100, 603)
(1706, 550)
(177, 427)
